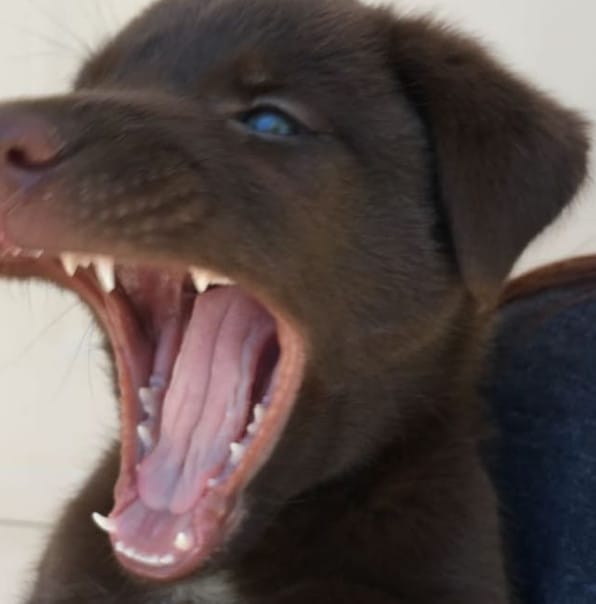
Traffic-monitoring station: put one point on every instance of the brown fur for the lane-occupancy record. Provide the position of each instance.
(387, 233)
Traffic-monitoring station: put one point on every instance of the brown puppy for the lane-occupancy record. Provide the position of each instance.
(309, 434)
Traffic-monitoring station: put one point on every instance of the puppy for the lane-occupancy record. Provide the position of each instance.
(292, 218)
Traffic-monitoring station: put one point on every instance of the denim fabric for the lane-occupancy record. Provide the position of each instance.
(543, 395)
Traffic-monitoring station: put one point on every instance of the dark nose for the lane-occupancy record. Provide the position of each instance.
(28, 146)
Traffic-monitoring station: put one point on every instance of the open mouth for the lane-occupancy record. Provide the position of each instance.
(208, 376)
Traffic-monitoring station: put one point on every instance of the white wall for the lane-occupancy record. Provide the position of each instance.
(55, 412)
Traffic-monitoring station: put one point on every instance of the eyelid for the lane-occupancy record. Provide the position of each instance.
(296, 111)
(297, 126)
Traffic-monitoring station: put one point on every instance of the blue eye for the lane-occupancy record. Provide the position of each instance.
(271, 122)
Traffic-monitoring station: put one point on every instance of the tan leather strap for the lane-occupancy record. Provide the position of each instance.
(560, 274)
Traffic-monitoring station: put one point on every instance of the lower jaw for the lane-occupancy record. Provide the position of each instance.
(161, 544)
(193, 536)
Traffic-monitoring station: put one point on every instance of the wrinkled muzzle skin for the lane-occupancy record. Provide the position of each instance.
(381, 231)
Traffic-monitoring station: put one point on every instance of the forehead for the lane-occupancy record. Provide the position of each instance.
(177, 43)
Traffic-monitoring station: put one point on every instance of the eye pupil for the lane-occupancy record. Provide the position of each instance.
(272, 122)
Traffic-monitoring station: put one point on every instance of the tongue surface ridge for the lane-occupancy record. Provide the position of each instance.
(207, 403)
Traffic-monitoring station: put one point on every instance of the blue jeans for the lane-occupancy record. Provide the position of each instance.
(543, 395)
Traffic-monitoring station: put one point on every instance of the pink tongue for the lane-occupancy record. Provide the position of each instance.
(207, 404)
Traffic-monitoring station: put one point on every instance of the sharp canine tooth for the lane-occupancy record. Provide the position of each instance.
(70, 262)
(201, 279)
(183, 542)
(105, 524)
(104, 268)
(167, 560)
(145, 435)
(237, 451)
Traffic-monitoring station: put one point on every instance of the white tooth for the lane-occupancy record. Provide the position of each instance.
(104, 268)
(183, 542)
(167, 560)
(220, 280)
(252, 428)
(201, 279)
(146, 437)
(120, 547)
(15, 252)
(70, 262)
(212, 483)
(149, 400)
(259, 412)
(237, 451)
(152, 560)
(130, 552)
(105, 524)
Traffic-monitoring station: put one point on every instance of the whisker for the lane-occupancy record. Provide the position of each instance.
(61, 26)
(71, 365)
(54, 43)
(30, 345)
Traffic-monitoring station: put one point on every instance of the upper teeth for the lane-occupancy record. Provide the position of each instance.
(203, 279)
(71, 262)
(16, 252)
(106, 274)
(104, 268)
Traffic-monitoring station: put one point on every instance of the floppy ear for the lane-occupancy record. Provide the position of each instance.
(508, 158)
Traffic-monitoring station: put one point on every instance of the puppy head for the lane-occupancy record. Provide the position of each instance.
(357, 177)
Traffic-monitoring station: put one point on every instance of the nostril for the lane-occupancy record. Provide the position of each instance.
(28, 145)
(30, 155)
(22, 159)
(18, 158)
